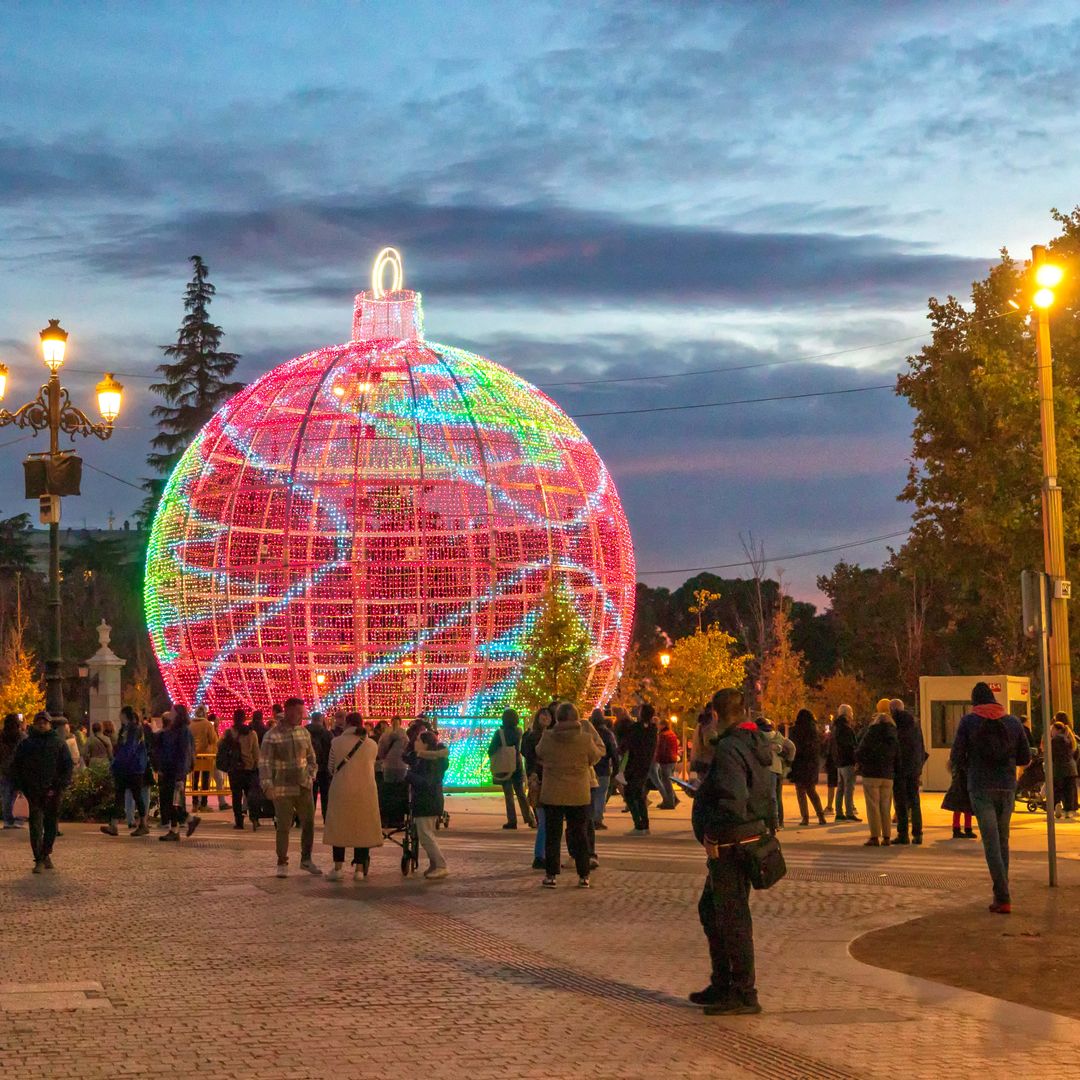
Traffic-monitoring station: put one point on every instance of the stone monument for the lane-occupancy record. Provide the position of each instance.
(104, 668)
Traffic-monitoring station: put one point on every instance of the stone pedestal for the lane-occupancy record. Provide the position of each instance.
(105, 691)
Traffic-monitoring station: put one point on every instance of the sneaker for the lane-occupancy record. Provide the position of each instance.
(110, 830)
(583, 883)
(539, 864)
(639, 832)
(1001, 909)
(436, 873)
(854, 817)
(193, 824)
(38, 868)
(549, 883)
(48, 863)
(282, 870)
(736, 1005)
(594, 862)
(170, 835)
(15, 825)
(141, 830)
(510, 825)
(310, 867)
(334, 875)
(711, 995)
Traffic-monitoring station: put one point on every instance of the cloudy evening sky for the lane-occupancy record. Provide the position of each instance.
(582, 192)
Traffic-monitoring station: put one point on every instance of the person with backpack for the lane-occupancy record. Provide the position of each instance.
(844, 745)
(989, 745)
(428, 761)
(97, 750)
(734, 805)
(783, 754)
(41, 769)
(877, 757)
(352, 816)
(128, 766)
(507, 768)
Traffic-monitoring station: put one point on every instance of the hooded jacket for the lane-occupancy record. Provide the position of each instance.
(912, 748)
(737, 798)
(426, 771)
(42, 764)
(568, 752)
(639, 744)
(966, 755)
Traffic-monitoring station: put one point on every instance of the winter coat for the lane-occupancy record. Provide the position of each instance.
(610, 761)
(425, 777)
(129, 760)
(970, 749)
(504, 736)
(1064, 757)
(667, 748)
(844, 742)
(42, 764)
(781, 748)
(912, 750)
(568, 753)
(639, 744)
(352, 811)
(392, 747)
(97, 749)
(737, 798)
(806, 767)
(701, 754)
(321, 740)
(204, 736)
(878, 753)
(176, 751)
(7, 756)
(529, 742)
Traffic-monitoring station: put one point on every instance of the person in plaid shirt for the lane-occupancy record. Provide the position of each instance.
(287, 767)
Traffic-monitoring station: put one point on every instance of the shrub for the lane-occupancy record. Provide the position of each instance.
(89, 796)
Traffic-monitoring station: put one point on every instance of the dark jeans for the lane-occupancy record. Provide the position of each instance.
(1065, 793)
(171, 798)
(7, 800)
(804, 792)
(320, 789)
(908, 804)
(993, 810)
(44, 818)
(577, 840)
(515, 786)
(724, 910)
(125, 784)
(359, 855)
(241, 784)
(636, 801)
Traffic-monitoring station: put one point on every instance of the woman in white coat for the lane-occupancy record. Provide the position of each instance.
(352, 811)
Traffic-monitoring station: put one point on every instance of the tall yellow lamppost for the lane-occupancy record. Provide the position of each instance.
(55, 472)
(1047, 276)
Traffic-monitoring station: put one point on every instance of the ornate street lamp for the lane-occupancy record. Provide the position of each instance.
(55, 472)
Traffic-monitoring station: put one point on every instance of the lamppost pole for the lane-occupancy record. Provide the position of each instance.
(52, 411)
(1060, 688)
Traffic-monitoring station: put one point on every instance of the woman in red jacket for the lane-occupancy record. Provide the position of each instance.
(667, 757)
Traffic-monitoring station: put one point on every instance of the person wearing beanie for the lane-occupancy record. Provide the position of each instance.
(988, 746)
(508, 769)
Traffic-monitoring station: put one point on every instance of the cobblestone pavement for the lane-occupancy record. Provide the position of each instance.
(142, 959)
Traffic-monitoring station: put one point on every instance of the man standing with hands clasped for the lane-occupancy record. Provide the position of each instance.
(287, 768)
(734, 805)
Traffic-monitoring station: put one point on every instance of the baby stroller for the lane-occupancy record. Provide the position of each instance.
(395, 809)
(1031, 787)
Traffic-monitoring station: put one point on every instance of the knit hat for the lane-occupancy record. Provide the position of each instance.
(981, 694)
(883, 705)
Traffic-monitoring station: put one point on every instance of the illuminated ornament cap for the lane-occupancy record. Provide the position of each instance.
(374, 525)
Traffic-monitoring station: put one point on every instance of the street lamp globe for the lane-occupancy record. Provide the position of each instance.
(665, 659)
(1043, 298)
(53, 343)
(1048, 275)
(110, 395)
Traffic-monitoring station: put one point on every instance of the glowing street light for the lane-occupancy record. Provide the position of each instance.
(665, 659)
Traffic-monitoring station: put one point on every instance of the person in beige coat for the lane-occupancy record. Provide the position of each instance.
(206, 740)
(567, 752)
(352, 813)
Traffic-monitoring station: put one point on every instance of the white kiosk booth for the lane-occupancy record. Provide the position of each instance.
(943, 699)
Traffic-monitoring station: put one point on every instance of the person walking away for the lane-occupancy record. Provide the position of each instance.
(807, 765)
(429, 761)
(320, 740)
(667, 757)
(605, 768)
(534, 770)
(41, 769)
(287, 770)
(958, 800)
(227, 763)
(639, 745)
(783, 754)
(568, 752)
(1063, 757)
(129, 763)
(832, 775)
(10, 738)
(97, 750)
(908, 778)
(877, 757)
(844, 746)
(734, 805)
(176, 758)
(392, 746)
(507, 768)
(258, 725)
(352, 809)
(989, 746)
(205, 739)
(244, 772)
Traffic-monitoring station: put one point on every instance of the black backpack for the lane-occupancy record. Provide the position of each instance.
(993, 743)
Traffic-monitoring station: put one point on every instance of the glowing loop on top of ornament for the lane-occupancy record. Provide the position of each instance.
(376, 526)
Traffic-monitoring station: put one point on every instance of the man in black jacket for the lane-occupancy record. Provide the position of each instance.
(41, 770)
(321, 740)
(733, 806)
(908, 774)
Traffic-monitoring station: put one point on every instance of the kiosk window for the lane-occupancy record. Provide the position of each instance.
(1019, 709)
(944, 720)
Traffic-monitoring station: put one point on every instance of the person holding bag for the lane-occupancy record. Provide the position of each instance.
(507, 770)
(352, 814)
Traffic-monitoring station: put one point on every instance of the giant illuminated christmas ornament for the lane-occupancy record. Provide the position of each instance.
(375, 526)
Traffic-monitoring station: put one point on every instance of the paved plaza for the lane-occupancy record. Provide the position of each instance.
(136, 958)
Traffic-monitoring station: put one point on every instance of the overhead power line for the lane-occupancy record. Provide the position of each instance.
(113, 476)
(777, 558)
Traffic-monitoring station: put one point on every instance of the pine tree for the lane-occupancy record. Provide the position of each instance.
(195, 382)
(558, 653)
(20, 688)
(783, 684)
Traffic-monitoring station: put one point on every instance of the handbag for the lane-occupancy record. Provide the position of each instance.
(765, 864)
